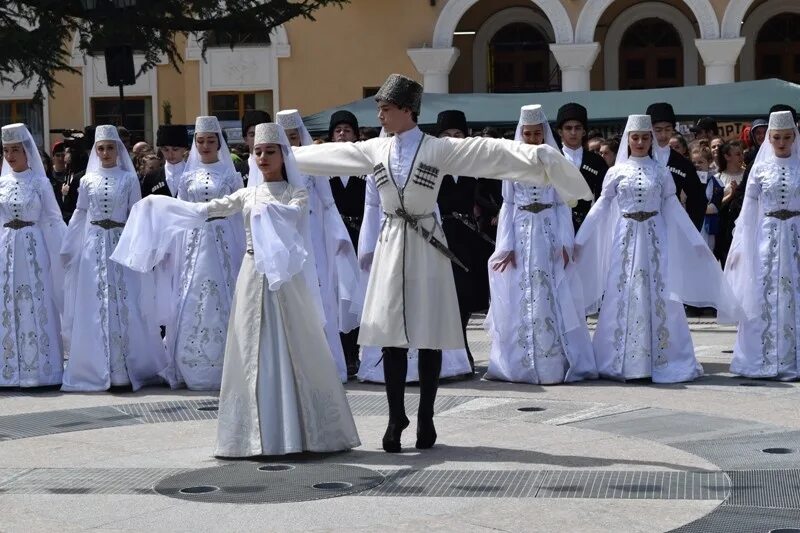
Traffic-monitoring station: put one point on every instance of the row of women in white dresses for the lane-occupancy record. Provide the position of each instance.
(637, 259)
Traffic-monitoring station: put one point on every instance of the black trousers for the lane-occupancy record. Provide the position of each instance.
(395, 369)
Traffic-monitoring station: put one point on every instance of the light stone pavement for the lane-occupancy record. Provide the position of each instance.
(594, 456)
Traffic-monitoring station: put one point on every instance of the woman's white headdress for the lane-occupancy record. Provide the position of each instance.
(18, 133)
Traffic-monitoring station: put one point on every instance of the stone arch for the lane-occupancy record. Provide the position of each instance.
(634, 14)
(491, 26)
(592, 11)
(454, 9)
(750, 28)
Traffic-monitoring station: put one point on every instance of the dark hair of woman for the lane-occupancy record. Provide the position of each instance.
(725, 149)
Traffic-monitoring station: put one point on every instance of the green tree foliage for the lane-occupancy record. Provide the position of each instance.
(36, 36)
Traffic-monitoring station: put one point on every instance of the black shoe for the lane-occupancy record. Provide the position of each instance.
(391, 439)
(426, 434)
(352, 368)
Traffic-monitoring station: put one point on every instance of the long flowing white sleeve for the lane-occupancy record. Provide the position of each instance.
(694, 275)
(504, 159)
(592, 251)
(371, 223)
(336, 159)
(70, 252)
(742, 266)
(505, 224)
(278, 247)
(53, 230)
(153, 225)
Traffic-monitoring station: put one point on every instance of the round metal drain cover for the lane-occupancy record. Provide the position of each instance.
(275, 468)
(727, 351)
(779, 451)
(200, 489)
(531, 409)
(208, 408)
(333, 485)
(245, 482)
(785, 530)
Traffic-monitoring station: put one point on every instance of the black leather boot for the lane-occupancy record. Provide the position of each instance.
(395, 368)
(430, 366)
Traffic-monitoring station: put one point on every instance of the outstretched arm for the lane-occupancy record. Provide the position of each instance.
(335, 159)
(504, 159)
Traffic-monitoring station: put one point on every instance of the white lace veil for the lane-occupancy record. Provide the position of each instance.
(530, 115)
(290, 119)
(635, 123)
(107, 132)
(209, 125)
(779, 120)
(272, 133)
(18, 133)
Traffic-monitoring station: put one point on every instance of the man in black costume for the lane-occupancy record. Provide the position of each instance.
(173, 142)
(683, 172)
(348, 194)
(456, 201)
(571, 124)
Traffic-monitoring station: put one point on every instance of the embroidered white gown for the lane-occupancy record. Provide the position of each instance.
(644, 271)
(206, 266)
(107, 324)
(31, 279)
(536, 324)
(766, 272)
(280, 389)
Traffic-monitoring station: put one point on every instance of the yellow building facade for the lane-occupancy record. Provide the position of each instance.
(448, 45)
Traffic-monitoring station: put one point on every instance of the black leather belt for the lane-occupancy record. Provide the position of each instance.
(640, 216)
(783, 214)
(535, 207)
(17, 224)
(454, 216)
(107, 223)
(215, 218)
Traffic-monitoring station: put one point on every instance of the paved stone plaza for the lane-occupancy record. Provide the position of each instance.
(596, 456)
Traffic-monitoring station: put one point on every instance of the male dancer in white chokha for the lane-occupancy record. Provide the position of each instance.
(411, 298)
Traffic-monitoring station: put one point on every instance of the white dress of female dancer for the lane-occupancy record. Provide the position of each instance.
(31, 277)
(205, 265)
(335, 257)
(109, 331)
(638, 253)
(454, 362)
(536, 324)
(764, 263)
(280, 389)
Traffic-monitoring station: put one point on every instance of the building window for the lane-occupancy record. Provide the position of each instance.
(138, 115)
(220, 39)
(778, 48)
(650, 56)
(231, 106)
(519, 61)
(25, 111)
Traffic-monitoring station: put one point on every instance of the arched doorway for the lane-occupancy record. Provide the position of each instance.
(519, 61)
(778, 48)
(650, 56)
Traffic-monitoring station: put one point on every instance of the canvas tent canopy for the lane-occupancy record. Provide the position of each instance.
(728, 101)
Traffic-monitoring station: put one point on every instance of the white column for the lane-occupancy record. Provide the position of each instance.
(434, 64)
(575, 62)
(719, 57)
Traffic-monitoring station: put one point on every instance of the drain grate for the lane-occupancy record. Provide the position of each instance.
(661, 485)
(745, 452)
(765, 488)
(743, 520)
(246, 482)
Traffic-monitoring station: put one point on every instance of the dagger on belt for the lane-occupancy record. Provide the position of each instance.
(464, 219)
(428, 236)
